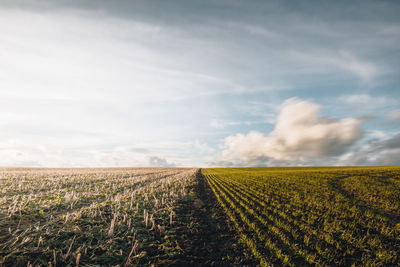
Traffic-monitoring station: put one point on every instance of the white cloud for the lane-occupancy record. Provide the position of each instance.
(220, 124)
(203, 148)
(357, 99)
(394, 115)
(265, 111)
(81, 55)
(342, 61)
(160, 162)
(80, 150)
(363, 69)
(363, 99)
(106, 83)
(300, 136)
(83, 84)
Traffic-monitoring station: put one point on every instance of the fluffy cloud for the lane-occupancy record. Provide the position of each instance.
(300, 136)
(160, 162)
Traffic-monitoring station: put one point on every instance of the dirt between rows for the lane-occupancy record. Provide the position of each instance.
(206, 237)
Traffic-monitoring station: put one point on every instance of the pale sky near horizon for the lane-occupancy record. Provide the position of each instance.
(199, 83)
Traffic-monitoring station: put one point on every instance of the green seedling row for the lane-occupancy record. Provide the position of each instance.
(313, 216)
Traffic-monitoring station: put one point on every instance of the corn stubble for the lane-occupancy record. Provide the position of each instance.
(58, 217)
(164, 216)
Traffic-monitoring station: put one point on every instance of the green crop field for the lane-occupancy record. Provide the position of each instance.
(304, 216)
(210, 217)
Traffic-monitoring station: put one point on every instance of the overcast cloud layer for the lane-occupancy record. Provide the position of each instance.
(183, 83)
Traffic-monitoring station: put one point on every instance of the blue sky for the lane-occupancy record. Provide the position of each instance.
(199, 83)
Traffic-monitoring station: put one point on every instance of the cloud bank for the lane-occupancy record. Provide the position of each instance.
(300, 136)
(381, 150)
(160, 162)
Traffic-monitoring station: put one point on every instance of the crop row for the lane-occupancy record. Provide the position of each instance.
(313, 215)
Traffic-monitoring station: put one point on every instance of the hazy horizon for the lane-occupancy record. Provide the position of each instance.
(207, 83)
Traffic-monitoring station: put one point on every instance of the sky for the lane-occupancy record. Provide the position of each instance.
(199, 83)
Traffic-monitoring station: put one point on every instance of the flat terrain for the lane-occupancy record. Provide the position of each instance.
(308, 216)
(208, 217)
(90, 216)
(114, 216)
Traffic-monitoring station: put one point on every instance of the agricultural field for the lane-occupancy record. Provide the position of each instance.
(313, 216)
(113, 217)
(61, 217)
(202, 217)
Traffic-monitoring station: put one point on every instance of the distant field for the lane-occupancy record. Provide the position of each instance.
(209, 217)
(320, 215)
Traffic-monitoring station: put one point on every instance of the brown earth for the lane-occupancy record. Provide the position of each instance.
(204, 235)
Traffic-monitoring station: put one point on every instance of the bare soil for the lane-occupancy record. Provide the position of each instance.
(204, 233)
